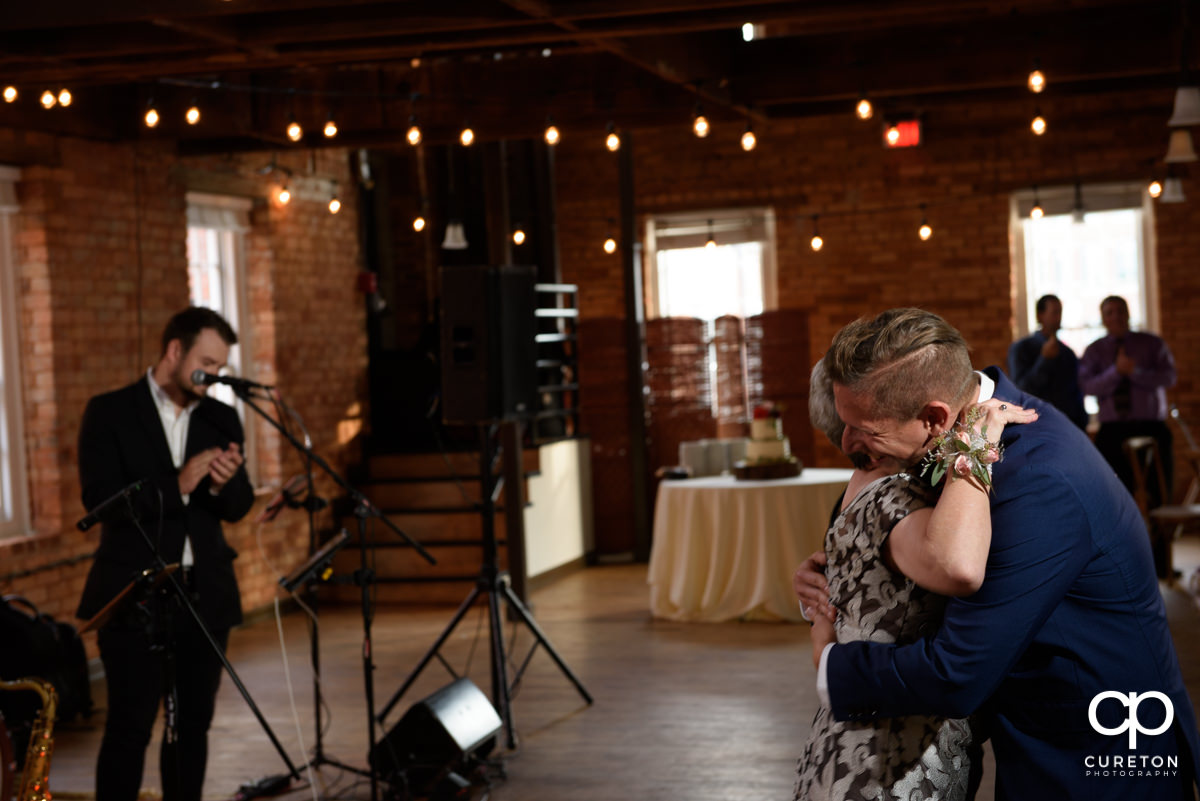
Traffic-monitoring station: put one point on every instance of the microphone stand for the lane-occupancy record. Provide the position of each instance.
(167, 576)
(364, 578)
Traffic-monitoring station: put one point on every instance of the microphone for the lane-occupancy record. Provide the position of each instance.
(201, 378)
(93, 517)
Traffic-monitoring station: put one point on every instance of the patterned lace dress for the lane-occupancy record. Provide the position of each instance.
(908, 758)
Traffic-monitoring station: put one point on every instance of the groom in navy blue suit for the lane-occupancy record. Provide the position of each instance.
(1064, 653)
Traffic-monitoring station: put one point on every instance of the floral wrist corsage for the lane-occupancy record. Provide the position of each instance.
(963, 451)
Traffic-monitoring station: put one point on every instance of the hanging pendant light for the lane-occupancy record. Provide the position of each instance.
(456, 236)
(1179, 148)
(1187, 107)
(1172, 191)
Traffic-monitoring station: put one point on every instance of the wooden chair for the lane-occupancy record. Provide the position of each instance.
(1167, 522)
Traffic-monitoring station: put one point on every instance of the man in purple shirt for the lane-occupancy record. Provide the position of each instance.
(1129, 372)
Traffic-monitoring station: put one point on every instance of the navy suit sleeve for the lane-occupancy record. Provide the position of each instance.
(1040, 544)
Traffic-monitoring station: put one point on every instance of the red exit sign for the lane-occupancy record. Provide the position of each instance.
(904, 133)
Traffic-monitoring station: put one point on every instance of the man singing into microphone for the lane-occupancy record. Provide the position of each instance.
(186, 451)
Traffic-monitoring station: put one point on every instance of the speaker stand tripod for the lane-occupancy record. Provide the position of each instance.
(496, 585)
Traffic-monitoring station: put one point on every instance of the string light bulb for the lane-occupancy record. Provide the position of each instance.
(749, 140)
(552, 135)
(467, 137)
(610, 246)
(285, 195)
(1155, 188)
(1037, 80)
(700, 126)
(863, 109)
(335, 205)
(1036, 212)
(418, 223)
(64, 97)
(294, 131)
(613, 140)
(1038, 124)
(151, 117)
(413, 134)
(711, 242)
(816, 242)
(48, 99)
(10, 94)
(893, 134)
(331, 129)
(192, 115)
(925, 231)
(518, 236)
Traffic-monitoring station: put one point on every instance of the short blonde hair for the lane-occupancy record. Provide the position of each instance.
(902, 360)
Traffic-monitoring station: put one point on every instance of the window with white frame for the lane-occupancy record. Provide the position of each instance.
(711, 263)
(1089, 243)
(707, 265)
(216, 279)
(14, 494)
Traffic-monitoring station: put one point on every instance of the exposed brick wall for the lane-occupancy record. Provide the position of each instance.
(974, 158)
(101, 262)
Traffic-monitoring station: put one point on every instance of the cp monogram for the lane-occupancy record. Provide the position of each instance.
(1131, 723)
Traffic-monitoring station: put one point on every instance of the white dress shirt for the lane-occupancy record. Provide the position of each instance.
(175, 423)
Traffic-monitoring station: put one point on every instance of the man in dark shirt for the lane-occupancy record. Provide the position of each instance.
(1043, 366)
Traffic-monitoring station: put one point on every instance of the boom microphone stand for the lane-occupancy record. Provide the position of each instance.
(495, 583)
(364, 577)
(166, 575)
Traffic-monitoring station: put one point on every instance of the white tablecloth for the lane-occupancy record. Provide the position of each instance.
(726, 549)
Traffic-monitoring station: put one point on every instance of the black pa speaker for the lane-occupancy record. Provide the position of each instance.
(437, 737)
(489, 343)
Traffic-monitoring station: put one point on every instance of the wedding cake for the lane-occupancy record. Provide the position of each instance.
(768, 451)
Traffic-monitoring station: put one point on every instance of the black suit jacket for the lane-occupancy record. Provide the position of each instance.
(121, 441)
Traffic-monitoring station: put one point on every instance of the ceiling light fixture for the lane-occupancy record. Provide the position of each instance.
(1179, 148)
(613, 140)
(1037, 79)
(863, 109)
(1038, 123)
(700, 126)
(749, 140)
(1172, 190)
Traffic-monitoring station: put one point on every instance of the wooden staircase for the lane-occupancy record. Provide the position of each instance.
(435, 499)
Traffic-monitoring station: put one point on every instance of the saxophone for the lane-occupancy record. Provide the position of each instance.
(35, 776)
